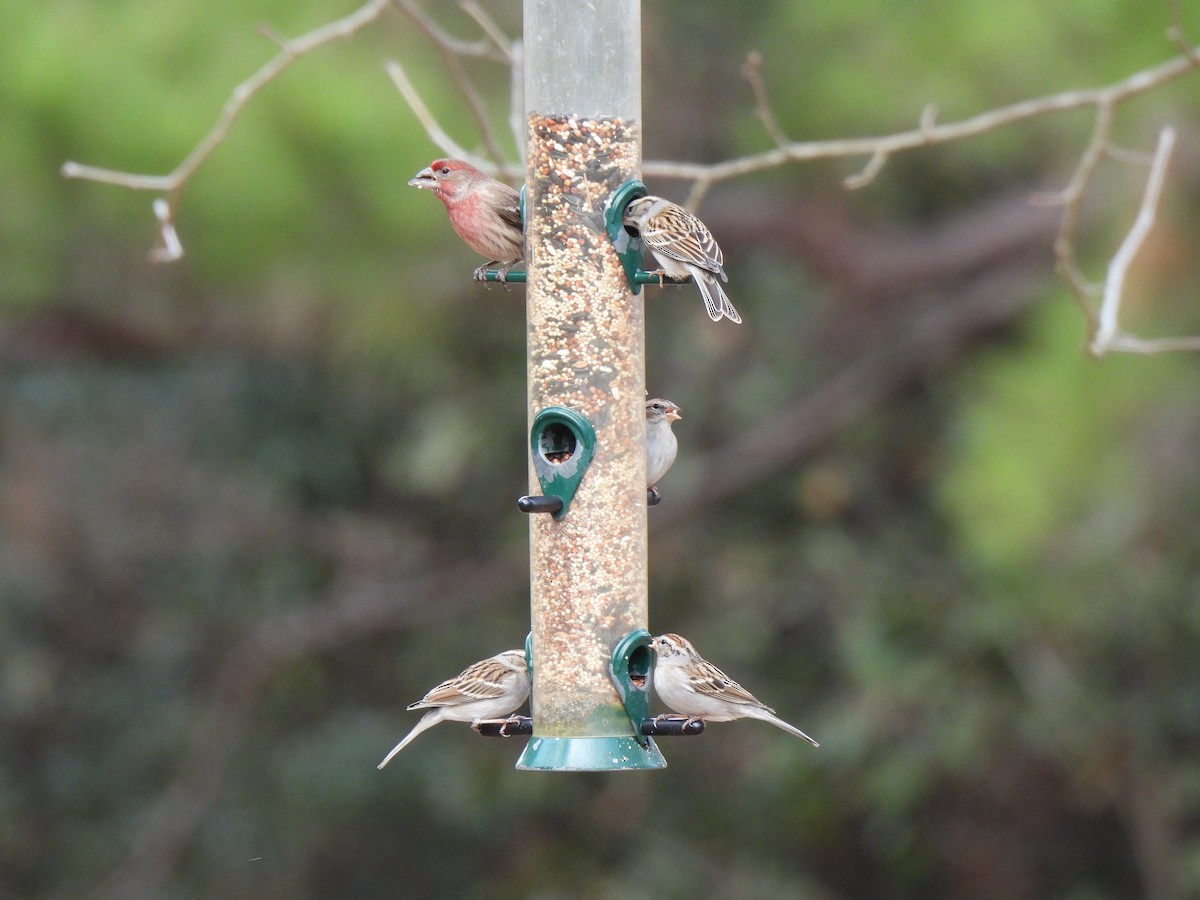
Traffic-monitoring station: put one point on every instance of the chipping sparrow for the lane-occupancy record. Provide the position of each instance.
(694, 687)
(682, 246)
(661, 445)
(486, 213)
(489, 689)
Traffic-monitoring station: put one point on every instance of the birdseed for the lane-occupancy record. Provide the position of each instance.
(586, 352)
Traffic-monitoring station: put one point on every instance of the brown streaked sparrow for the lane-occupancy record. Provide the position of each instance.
(486, 213)
(661, 445)
(683, 246)
(489, 689)
(694, 687)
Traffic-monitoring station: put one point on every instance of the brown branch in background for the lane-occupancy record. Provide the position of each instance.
(1178, 34)
(172, 185)
(427, 119)
(448, 49)
(484, 48)
(1106, 326)
(1103, 333)
(1071, 200)
(762, 106)
(926, 135)
(502, 41)
(434, 129)
(1107, 336)
(168, 248)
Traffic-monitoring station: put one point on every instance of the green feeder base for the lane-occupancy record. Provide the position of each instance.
(589, 754)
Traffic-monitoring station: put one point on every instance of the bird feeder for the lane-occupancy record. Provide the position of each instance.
(586, 391)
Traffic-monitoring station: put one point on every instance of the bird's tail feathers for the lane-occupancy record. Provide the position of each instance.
(718, 306)
(790, 729)
(428, 720)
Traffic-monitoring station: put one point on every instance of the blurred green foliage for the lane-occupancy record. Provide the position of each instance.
(253, 504)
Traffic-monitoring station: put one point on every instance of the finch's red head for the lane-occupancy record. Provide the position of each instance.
(447, 178)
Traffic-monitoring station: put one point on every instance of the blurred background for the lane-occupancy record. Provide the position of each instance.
(254, 503)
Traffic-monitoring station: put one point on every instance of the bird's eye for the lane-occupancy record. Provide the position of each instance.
(445, 170)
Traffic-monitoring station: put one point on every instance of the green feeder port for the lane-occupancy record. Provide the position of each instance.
(629, 669)
(562, 443)
(628, 246)
(588, 754)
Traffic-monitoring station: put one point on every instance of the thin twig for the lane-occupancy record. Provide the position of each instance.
(700, 187)
(1071, 198)
(762, 106)
(170, 248)
(1178, 34)
(432, 128)
(288, 54)
(877, 150)
(873, 167)
(448, 49)
(1110, 307)
(922, 136)
(502, 41)
(479, 48)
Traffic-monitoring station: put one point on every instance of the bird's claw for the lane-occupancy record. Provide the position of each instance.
(481, 274)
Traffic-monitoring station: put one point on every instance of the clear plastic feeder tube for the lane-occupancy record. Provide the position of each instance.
(586, 353)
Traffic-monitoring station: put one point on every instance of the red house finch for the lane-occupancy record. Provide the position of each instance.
(682, 246)
(485, 213)
(488, 689)
(693, 686)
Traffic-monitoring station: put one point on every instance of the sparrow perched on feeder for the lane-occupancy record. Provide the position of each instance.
(661, 445)
(486, 213)
(683, 246)
(489, 689)
(694, 687)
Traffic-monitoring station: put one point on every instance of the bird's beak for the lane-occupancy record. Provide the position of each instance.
(673, 413)
(423, 179)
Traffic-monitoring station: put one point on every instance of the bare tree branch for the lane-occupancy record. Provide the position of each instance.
(487, 48)
(434, 129)
(173, 184)
(503, 42)
(168, 248)
(1071, 199)
(1106, 329)
(762, 107)
(447, 49)
(1178, 34)
(926, 135)
(494, 45)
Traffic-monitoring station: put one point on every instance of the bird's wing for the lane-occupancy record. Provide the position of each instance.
(712, 682)
(510, 207)
(676, 233)
(484, 680)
